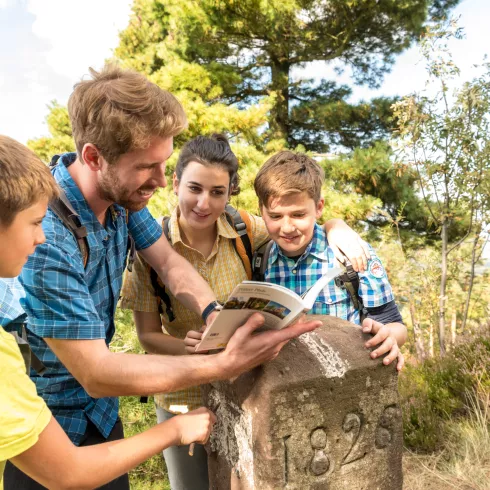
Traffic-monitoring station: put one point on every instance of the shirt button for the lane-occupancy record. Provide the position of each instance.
(294, 271)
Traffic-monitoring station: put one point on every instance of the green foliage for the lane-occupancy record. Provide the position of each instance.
(322, 118)
(371, 173)
(61, 139)
(446, 140)
(446, 137)
(438, 391)
(249, 48)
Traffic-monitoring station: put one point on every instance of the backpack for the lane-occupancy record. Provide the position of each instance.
(240, 221)
(349, 280)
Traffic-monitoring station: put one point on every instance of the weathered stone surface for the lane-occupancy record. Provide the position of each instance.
(323, 415)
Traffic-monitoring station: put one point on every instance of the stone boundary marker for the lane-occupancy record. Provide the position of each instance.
(322, 415)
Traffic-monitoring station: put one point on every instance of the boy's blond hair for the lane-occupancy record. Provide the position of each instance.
(288, 173)
(25, 180)
(119, 111)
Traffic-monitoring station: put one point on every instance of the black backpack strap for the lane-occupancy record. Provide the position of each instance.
(131, 253)
(62, 208)
(159, 288)
(36, 363)
(131, 250)
(349, 281)
(235, 219)
(259, 261)
(30, 359)
(54, 162)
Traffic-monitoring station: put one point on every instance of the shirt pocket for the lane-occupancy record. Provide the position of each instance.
(333, 302)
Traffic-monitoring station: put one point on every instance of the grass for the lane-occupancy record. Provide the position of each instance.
(464, 463)
(137, 416)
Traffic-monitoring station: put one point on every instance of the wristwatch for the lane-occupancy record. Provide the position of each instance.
(214, 305)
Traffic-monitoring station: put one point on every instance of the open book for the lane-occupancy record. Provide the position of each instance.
(279, 306)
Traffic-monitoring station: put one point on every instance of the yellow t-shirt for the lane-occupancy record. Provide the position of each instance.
(222, 270)
(23, 414)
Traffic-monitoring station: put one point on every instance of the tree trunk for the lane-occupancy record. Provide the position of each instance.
(470, 285)
(431, 339)
(417, 334)
(453, 328)
(442, 296)
(280, 110)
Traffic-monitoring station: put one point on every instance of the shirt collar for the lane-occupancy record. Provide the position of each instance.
(76, 198)
(319, 244)
(173, 227)
(225, 230)
(317, 247)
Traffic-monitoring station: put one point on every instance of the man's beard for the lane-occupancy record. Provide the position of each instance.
(109, 188)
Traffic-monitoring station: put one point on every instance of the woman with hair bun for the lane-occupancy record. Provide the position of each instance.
(205, 177)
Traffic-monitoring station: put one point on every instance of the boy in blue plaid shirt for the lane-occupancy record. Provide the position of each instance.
(289, 190)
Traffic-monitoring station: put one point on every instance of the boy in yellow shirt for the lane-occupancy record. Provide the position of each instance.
(30, 437)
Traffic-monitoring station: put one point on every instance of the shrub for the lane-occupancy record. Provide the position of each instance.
(438, 390)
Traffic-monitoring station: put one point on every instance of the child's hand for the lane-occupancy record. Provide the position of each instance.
(383, 335)
(191, 340)
(195, 426)
(342, 236)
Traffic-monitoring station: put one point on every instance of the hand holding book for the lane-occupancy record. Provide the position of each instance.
(279, 306)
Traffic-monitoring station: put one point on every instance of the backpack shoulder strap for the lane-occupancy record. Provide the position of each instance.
(63, 209)
(240, 220)
(54, 162)
(131, 251)
(349, 281)
(158, 287)
(30, 359)
(259, 262)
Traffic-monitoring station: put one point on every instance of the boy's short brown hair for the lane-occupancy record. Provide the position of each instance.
(119, 111)
(287, 173)
(25, 180)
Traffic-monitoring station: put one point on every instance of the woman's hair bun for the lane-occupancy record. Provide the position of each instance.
(221, 138)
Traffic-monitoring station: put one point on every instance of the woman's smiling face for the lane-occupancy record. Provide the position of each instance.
(203, 193)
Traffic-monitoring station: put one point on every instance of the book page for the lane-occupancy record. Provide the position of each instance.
(312, 294)
(277, 304)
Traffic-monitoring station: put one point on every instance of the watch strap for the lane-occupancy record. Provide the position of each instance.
(214, 305)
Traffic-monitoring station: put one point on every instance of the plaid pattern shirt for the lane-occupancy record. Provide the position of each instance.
(300, 275)
(11, 311)
(223, 270)
(64, 300)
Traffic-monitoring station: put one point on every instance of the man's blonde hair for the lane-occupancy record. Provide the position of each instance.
(288, 173)
(119, 111)
(25, 180)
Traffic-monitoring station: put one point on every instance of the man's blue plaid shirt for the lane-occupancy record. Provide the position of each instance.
(64, 300)
(317, 259)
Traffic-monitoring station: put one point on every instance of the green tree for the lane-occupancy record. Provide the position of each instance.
(250, 49)
(373, 172)
(60, 140)
(445, 137)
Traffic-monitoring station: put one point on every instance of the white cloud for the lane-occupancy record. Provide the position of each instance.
(51, 45)
(82, 34)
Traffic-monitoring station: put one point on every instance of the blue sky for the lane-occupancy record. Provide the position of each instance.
(46, 46)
